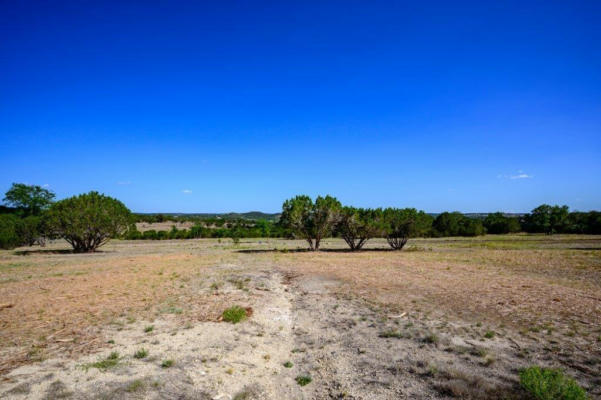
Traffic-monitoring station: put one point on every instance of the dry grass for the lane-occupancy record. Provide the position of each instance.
(61, 301)
(519, 287)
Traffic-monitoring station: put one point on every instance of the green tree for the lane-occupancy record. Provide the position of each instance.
(89, 220)
(310, 220)
(548, 219)
(357, 225)
(457, 224)
(31, 231)
(9, 225)
(30, 199)
(498, 223)
(402, 224)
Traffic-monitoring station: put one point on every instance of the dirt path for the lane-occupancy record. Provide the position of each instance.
(301, 326)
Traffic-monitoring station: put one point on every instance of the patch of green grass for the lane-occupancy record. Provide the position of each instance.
(431, 338)
(288, 364)
(550, 384)
(489, 334)
(142, 353)
(135, 386)
(391, 334)
(149, 328)
(172, 310)
(167, 363)
(111, 361)
(243, 395)
(303, 380)
(234, 314)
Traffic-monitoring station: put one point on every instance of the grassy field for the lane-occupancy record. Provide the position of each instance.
(491, 304)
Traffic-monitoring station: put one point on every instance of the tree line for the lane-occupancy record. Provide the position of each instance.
(30, 216)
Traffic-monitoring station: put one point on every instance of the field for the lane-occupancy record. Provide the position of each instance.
(444, 318)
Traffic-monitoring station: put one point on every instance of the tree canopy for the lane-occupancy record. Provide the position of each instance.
(30, 199)
(89, 220)
(310, 220)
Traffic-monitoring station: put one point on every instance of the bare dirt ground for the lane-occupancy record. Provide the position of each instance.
(445, 318)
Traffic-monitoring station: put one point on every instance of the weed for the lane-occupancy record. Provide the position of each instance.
(135, 386)
(303, 380)
(229, 371)
(550, 384)
(431, 338)
(489, 334)
(111, 361)
(167, 363)
(234, 314)
(288, 364)
(149, 328)
(391, 334)
(111, 341)
(142, 353)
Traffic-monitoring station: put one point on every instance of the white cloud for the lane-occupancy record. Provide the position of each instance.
(46, 185)
(521, 176)
(186, 191)
(124, 183)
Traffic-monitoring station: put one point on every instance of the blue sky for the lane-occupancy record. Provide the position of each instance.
(236, 106)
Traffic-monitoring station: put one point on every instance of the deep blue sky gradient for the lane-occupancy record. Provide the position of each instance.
(235, 106)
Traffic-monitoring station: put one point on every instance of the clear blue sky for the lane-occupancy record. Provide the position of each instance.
(235, 106)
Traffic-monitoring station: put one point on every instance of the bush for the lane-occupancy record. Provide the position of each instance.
(89, 220)
(234, 314)
(149, 235)
(310, 220)
(30, 231)
(550, 384)
(357, 225)
(401, 224)
(9, 238)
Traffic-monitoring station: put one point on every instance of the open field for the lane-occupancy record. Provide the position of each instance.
(444, 318)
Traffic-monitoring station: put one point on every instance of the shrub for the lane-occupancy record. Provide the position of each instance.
(142, 353)
(30, 231)
(149, 235)
(550, 384)
(401, 224)
(357, 225)
(234, 314)
(89, 220)
(303, 380)
(9, 238)
(310, 220)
